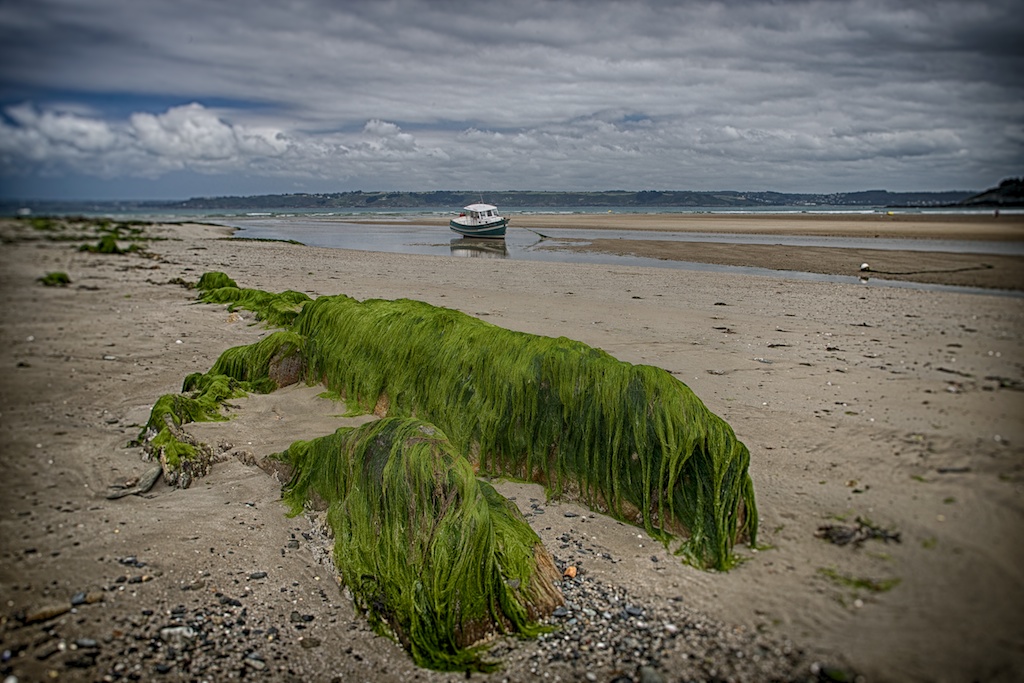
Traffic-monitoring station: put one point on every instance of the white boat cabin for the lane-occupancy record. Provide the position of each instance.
(480, 213)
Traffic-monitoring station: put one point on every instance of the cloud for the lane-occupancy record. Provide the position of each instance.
(406, 94)
(188, 136)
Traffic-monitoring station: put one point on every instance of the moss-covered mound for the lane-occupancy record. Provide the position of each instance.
(627, 439)
(436, 558)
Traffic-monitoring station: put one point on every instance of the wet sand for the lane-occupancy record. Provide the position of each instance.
(1006, 227)
(990, 271)
(900, 406)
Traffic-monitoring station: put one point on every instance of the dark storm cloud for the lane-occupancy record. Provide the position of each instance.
(562, 95)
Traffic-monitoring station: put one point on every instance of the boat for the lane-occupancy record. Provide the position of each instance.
(479, 220)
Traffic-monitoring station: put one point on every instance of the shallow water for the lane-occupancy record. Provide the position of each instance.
(526, 245)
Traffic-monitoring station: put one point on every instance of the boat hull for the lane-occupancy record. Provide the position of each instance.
(492, 230)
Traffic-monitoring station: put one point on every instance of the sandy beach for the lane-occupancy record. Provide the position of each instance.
(898, 406)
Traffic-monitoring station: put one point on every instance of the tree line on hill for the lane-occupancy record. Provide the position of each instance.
(1009, 193)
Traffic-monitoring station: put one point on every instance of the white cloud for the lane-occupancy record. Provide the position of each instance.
(188, 136)
(410, 94)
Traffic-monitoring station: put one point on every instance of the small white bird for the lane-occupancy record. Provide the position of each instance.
(865, 266)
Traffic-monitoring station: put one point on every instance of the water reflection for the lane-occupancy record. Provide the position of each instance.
(479, 248)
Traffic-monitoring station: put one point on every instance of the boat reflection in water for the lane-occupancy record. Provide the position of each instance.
(479, 248)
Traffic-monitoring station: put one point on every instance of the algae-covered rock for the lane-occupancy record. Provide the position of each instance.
(435, 557)
(630, 440)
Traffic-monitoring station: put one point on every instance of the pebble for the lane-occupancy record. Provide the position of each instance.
(650, 675)
(605, 633)
(177, 636)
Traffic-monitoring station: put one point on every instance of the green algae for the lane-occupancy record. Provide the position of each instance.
(55, 279)
(201, 403)
(108, 245)
(173, 450)
(214, 280)
(256, 368)
(278, 310)
(629, 440)
(436, 558)
(872, 585)
(255, 365)
(44, 223)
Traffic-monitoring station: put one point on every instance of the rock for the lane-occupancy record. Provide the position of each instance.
(253, 663)
(570, 572)
(178, 636)
(287, 367)
(257, 575)
(46, 612)
(146, 482)
(648, 674)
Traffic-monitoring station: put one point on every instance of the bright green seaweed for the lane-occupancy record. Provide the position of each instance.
(238, 371)
(627, 439)
(279, 310)
(436, 557)
(55, 279)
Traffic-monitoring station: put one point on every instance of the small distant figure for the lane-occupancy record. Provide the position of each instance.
(864, 267)
(996, 213)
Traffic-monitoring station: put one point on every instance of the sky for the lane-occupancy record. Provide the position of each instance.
(167, 99)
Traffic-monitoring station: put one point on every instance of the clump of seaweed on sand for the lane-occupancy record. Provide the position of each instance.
(270, 363)
(277, 310)
(434, 556)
